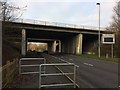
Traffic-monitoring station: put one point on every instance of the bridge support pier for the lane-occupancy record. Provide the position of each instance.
(79, 39)
(54, 47)
(24, 43)
(59, 46)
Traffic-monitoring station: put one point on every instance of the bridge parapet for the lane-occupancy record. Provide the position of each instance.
(46, 23)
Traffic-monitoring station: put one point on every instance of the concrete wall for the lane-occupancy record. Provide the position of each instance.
(68, 45)
(49, 47)
(90, 43)
(72, 45)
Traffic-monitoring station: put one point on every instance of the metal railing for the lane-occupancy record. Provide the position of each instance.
(33, 65)
(56, 60)
(46, 23)
(73, 82)
(42, 71)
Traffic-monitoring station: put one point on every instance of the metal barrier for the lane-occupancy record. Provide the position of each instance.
(43, 72)
(58, 74)
(33, 65)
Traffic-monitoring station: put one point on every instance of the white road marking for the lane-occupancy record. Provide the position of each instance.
(63, 60)
(70, 59)
(88, 64)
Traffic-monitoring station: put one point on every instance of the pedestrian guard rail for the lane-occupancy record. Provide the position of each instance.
(42, 71)
(22, 66)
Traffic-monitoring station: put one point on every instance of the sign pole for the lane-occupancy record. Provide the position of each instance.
(112, 50)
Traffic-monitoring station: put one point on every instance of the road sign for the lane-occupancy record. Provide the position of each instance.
(108, 38)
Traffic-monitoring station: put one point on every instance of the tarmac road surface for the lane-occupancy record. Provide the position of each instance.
(94, 73)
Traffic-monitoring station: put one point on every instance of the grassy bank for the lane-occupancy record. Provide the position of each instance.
(101, 58)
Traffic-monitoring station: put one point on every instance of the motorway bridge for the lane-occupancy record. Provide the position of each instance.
(68, 39)
(60, 38)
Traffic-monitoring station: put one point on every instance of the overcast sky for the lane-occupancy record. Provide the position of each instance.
(80, 12)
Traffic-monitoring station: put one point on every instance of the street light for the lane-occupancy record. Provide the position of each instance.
(99, 31)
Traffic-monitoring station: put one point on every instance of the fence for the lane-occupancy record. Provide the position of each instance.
(8, 72)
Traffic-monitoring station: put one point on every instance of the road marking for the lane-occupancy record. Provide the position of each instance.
(88, 64)
(63, 60)
(70, 59)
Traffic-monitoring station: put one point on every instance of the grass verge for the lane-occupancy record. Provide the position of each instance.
(117, 60)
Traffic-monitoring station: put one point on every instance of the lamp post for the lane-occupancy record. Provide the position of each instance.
(99, 31)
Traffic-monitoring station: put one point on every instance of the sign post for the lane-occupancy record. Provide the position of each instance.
(109, 39)
(112, 50)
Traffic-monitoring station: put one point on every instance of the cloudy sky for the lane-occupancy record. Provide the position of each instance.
(80, 12)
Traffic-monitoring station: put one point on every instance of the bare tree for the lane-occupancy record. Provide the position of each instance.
(9, 11)
(115, 26)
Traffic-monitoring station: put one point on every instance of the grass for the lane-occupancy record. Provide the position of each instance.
(101, 58)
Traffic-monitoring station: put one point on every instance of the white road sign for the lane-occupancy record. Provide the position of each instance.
(108, 38)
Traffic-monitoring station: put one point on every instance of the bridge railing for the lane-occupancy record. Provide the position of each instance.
(57, 24)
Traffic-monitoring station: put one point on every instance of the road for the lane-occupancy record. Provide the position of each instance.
(90, 74)
(94, 73)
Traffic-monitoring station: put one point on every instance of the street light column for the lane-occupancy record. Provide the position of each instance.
(99, 32)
